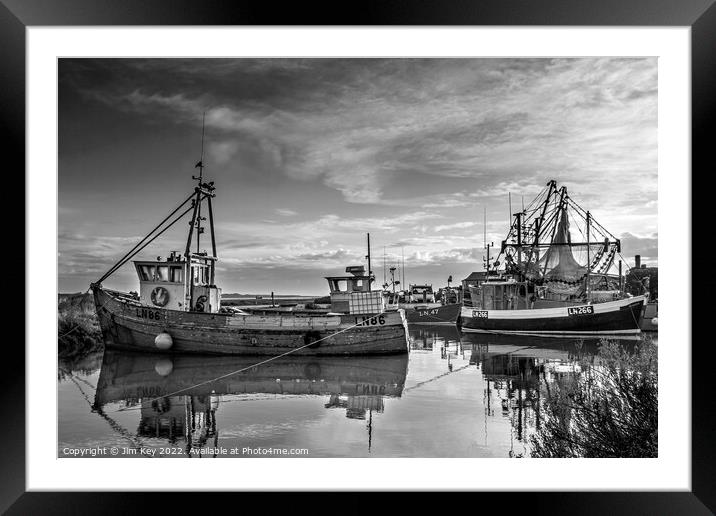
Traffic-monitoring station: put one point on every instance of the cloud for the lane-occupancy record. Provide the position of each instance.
(457, 225)
(318, 152)
(645, 246)
(353, 124)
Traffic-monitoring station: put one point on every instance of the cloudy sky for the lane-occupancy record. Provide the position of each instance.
(311, 154)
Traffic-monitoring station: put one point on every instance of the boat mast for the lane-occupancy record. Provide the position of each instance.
(402, 266)
(552, 188)
(202, 191)
(487, 259)
(370, 277)
(589, 217)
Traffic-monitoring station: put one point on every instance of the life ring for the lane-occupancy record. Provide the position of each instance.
(199, 306)
(159, 296)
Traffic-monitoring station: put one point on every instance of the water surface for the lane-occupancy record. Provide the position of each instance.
(453, 395)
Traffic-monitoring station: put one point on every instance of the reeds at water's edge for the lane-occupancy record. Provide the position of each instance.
(609, 410)
(78, 330)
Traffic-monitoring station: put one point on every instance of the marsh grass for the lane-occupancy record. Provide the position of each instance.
(78, 330)
(609, 410)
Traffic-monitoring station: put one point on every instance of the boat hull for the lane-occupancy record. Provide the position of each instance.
(614, 318)
(129, 325)
(438, 314)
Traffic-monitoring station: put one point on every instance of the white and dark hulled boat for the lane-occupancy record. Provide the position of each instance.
(421, 305)
(550, 285)
(179, 307)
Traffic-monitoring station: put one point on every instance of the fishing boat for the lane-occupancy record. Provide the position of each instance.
(544, 283)
(178, 308)
(420, 305)
(431, 313)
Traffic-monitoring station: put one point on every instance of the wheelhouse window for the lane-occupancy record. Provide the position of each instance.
(200, 275)
(148, 272)
(339, 285)
(162, 273)
(175, 274)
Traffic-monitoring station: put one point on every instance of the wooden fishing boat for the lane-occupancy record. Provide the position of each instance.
(419, 303)
(179, 309)
(431, 313)
(543, 289)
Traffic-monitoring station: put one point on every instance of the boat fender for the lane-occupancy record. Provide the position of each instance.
(164, 366)
(163, 341)
(655, 321)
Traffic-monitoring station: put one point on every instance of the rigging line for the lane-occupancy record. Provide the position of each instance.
(420, 384)
(542, 192)
(258, 363)
(153, 238)
(122, 260)
(572, 201)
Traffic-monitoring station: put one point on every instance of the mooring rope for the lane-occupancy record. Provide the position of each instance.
(256, 364)
(420, 384)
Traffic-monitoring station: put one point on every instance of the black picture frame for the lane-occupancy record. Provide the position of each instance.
(699, 15)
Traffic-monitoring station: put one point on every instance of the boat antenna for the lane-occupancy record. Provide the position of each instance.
(370, 279)
(384, 276)
(201, 160)
(509, 201)
(200, 165)
(402, 267)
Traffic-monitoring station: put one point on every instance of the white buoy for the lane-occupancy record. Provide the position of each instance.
(164, 366)
(655, 321)
(163, 341)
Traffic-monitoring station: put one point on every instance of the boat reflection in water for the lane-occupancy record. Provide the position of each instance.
(178, 397)
(427, 338)
(518, 369)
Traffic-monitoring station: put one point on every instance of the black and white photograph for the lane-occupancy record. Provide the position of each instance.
(439, 257)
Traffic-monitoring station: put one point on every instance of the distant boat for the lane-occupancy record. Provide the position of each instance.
(543, 289)
(420, 304)
(178, 308)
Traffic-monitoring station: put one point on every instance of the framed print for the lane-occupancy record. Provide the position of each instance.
(418, 249)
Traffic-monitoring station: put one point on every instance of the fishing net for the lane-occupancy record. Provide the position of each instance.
(558, 261)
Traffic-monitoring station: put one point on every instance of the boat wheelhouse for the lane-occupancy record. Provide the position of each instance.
(421, 294)
(550, 284)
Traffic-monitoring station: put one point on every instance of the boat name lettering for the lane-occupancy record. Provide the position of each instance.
(149, 314)
(480, 314)
(370, 321)
(434, 311)
(580, 310)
